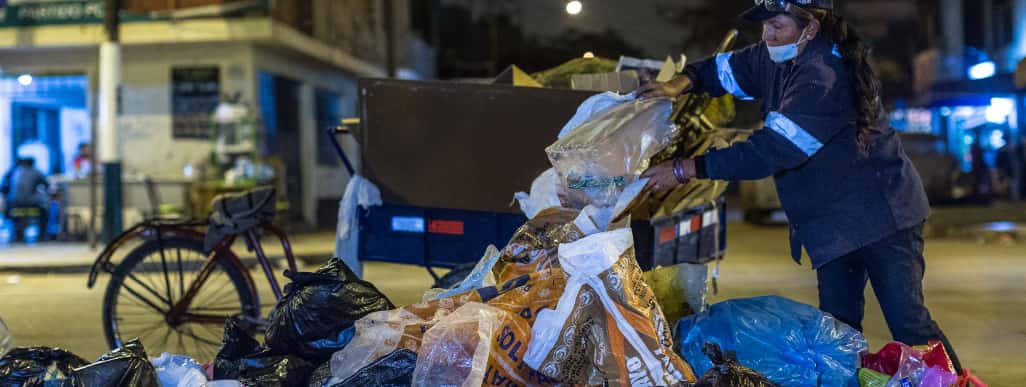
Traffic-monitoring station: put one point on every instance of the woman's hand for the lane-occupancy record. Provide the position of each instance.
(672, 89)
(663, 178)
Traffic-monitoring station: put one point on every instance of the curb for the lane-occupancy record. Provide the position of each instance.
(278, 262)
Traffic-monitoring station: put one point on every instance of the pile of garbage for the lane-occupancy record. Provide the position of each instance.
(897, 364)
(125, 366)
(563, 303)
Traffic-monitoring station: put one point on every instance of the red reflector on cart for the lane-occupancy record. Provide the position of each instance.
(667, 234)
(448, 227)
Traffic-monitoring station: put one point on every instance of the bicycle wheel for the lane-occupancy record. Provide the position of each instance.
(150, 280)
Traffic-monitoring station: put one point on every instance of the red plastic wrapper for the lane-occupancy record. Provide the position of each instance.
(887, 360)
(934, 355)
(891, 356)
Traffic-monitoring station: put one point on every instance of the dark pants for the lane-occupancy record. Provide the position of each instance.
(895, 266)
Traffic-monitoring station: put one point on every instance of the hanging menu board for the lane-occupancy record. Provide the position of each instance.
(195, 93)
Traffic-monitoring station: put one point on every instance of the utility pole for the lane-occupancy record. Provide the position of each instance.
(109, 142)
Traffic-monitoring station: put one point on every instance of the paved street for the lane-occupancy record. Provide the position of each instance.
(977, 294)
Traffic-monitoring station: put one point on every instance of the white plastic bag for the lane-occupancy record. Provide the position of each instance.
(179, 371)
(592, 106)
(6, 340)
(481, 276)
(607, 153)
(544, 194)
(360, 192)
(455, 350)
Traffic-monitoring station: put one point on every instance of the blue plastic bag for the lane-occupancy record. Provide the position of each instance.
(790, 343)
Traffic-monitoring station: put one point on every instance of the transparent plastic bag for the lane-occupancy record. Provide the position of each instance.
(479, 277)
(178, 371)
(6, 340)
(936, 377)
(603, 155)
(381, 333)
(377, 335)
(680, 289)
(454, 352)
(790, 343)
(594, 105)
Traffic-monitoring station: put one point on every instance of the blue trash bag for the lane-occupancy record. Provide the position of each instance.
(790, 343)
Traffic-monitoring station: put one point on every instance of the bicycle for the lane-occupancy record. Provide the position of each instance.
(175, 290)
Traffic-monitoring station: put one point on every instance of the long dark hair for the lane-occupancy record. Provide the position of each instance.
(856, 55)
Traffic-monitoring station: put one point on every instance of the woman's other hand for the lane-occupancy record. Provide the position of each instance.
(672, 89)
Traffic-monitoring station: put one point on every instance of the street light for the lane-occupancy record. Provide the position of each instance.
(574, 7)
(25, 80)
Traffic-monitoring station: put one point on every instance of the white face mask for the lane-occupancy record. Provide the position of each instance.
(784, 53)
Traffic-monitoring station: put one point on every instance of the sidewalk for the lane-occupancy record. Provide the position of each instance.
(77, 257)
(964, 220)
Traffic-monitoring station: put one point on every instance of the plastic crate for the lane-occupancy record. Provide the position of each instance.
(695, 235)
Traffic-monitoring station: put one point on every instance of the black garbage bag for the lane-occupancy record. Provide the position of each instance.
(392, 370)
(321, 376)
(454, 276)
(727, 372)
(242, 358)
(38, 367)
(127, 366)
(264, 369)
(236, 344)
(312, 317)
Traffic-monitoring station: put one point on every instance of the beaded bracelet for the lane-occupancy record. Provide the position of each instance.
(678, 171)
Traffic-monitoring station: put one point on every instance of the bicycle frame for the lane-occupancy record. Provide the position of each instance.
(178, 314)
(160, 229)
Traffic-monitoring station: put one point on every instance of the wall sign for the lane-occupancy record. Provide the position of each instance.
(195, 93)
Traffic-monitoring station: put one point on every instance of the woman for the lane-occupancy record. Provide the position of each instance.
(854, 200)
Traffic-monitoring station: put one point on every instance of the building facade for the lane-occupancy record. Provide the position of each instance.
(292, 63)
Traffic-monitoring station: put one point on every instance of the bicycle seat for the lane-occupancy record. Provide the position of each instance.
(237, 213)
